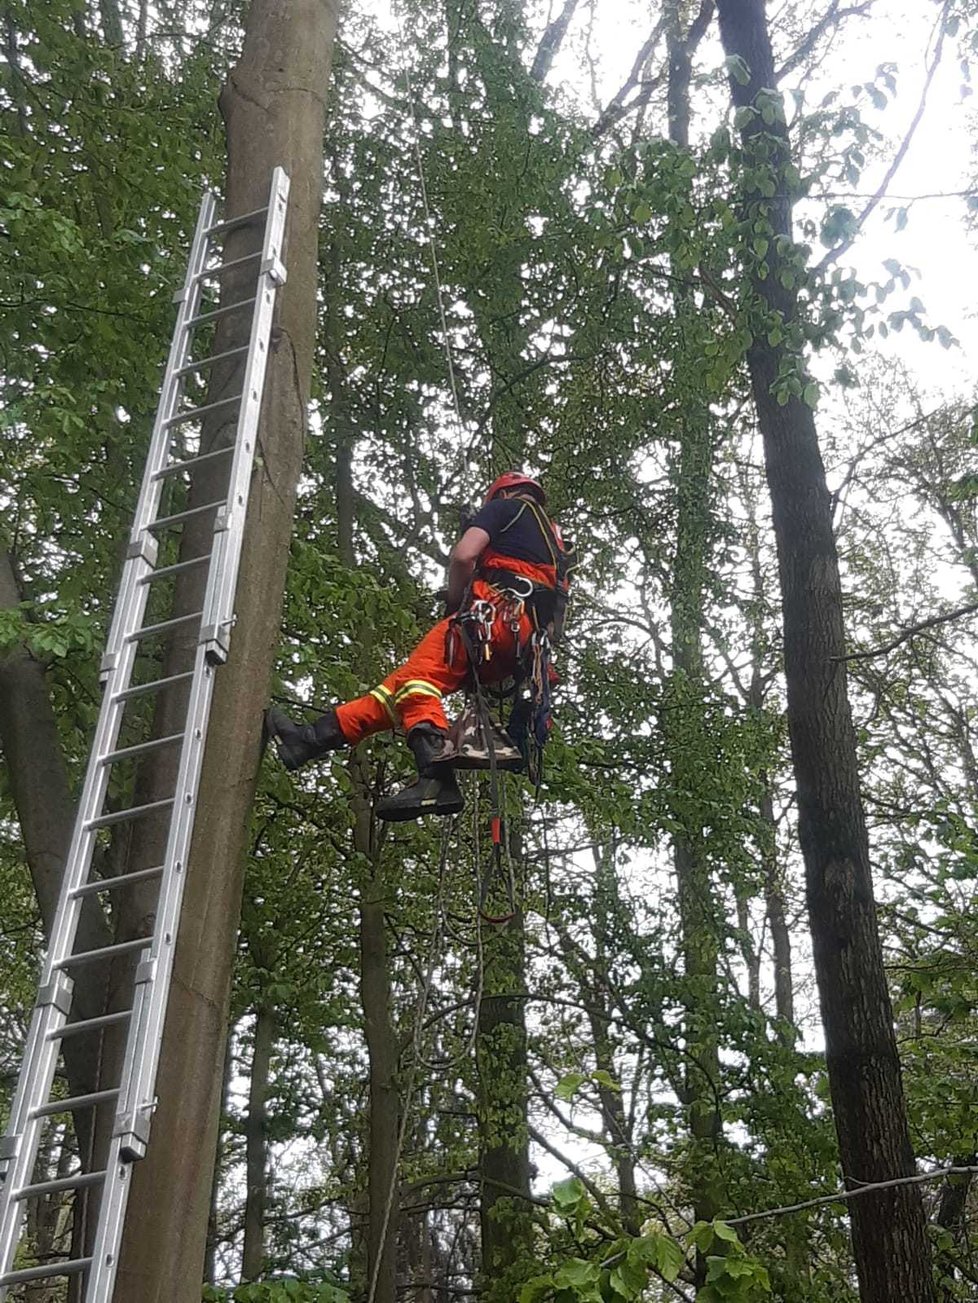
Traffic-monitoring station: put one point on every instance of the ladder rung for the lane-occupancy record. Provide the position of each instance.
(165, 522)
(104, 952)
(120, 880)
(76, 1182)
(174, 466)
(73, 1102)
(89, 1025)
(165, 571)
(150, 630)
(230, 223)
(133, 812)
(141, 689)
(191, 367)
(194, 413)
(127, 753)
(222, 267)
(69, 1267)
(215, 313)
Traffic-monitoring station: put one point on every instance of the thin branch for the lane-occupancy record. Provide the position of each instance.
(617, 108)
(551, 41)
(841, 1196)
(832, 16)
(898, 157)
(571, 1166)
(911, 633)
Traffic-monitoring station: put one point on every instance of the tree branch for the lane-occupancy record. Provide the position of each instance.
(551, 41)
(832, 16)
(616, 107)
(912, 632)
(834, 254)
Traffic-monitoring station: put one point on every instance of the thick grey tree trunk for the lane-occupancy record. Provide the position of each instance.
(273, 106)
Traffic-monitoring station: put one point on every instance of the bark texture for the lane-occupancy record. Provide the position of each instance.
(256, 1144)
(504, 1160)
(273, 106)
(888, 1230)
(376, 983)
(685, 726)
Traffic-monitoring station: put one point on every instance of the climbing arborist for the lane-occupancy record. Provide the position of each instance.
(508, 577)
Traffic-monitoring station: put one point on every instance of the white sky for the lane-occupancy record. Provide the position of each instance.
(934, 241)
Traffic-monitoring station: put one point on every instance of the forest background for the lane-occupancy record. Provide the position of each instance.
(641, 1051)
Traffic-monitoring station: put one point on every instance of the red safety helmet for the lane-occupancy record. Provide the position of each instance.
(514, 480)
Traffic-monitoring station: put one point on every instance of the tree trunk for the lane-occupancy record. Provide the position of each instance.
(952, 1206)
(274, 111)
(504, 1160)
(38, 780)
(256, 1145)
(376, 994)
(685, 730)
(888, 1231)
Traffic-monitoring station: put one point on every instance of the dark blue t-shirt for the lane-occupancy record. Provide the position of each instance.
(513, 528)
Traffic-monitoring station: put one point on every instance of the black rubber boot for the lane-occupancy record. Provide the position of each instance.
(436, 790)
(297, 744)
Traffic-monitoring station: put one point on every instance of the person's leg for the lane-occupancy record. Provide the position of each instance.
(411, 695)
(415, 690)
(297, 744)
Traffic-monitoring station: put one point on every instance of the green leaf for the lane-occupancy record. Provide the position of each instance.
(569, 1085)
(724, 1232)
(738, 69)
(569, 1193)
(605, 1079)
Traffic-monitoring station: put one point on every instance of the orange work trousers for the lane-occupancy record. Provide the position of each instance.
(413, 694)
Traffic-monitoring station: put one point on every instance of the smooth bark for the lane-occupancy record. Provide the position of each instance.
(273, 106)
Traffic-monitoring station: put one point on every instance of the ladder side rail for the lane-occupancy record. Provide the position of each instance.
(18, 1148)
(229, 528)
(143, 547)
(152, 981)
(20, 1143)
(137, 1100)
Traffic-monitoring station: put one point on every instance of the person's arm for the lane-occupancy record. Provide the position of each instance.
(462, 563)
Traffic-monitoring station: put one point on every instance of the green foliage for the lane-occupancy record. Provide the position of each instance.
(624, 1268)
(284, 1290)
(596, 291)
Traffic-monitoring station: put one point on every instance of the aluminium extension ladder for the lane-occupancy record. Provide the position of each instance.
(175, 454)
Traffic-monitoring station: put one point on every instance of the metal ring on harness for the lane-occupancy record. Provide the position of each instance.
(510, 587)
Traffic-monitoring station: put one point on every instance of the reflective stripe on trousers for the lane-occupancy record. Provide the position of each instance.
(413, 693)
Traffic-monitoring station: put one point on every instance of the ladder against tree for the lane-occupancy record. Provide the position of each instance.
(227, 295)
